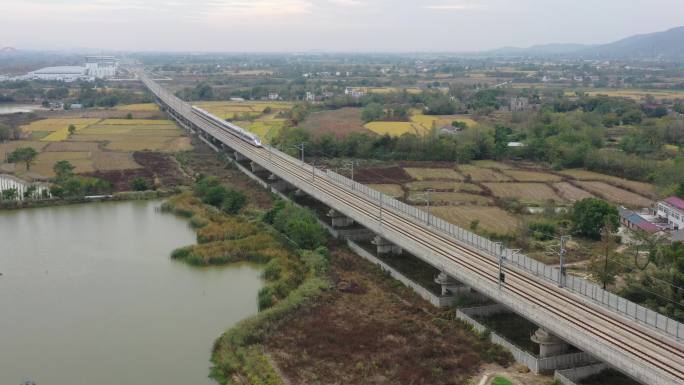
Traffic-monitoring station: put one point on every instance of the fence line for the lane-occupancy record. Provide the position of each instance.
(485, 246)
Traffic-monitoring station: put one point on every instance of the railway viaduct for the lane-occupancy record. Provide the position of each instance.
(639, 342)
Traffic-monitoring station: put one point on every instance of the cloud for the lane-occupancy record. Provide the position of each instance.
(455, 6)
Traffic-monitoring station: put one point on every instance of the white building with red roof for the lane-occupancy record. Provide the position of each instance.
(672, 211)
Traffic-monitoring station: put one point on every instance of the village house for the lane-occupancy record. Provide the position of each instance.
(671, 211)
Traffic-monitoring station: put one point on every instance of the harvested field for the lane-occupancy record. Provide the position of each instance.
(336, 122)
(108, 161)
(393, 190)
(138, 107)
(264, 127)
(532, 176)
(231, 110)
(637, 187)
(46, 160)
(428, 121)
(525, 192)
(57, 124)
(481, 174)
(382, 175)
(433, 173)
(136, 122)
(449, 198)
(615, 194)
(72, 146)
(439, 185)
(570, 192)
(158, 169)
(394, 128)
(7, 147)
(492, 164)
(371, 331)
(491, 218)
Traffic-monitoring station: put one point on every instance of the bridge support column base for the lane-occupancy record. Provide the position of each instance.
(549, 344)
(278, 184)
(339, 220)
(256, 167)
(450, 286)
(239, 157)
(385, 247)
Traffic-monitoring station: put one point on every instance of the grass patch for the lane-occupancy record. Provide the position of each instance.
(498, 380)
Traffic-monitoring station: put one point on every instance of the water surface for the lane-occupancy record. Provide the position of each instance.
(88, 295)
(14, 108)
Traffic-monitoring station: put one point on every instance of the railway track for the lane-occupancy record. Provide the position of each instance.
(614, 331)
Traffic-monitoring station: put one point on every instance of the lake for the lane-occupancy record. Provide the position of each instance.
(89, 295)
(14, 108)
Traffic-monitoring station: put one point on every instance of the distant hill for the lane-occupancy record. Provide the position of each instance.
(666, 45)
(8, 50)
(541, 49)
(658, 45)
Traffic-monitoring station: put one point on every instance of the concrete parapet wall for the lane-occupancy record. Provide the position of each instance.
(424, 293)
(537, 365)
(575, 375)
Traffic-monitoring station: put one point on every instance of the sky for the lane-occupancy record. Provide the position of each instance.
(326, 25)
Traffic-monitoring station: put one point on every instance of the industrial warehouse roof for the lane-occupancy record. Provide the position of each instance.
(60, 70)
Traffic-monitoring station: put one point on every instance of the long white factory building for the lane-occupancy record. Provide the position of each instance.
(96, 67)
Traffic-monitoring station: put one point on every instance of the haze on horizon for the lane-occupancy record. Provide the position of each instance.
(326, 25)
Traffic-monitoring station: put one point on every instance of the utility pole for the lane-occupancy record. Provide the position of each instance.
(427, 192)
(301, 148)
(561, 255)
(502, 275)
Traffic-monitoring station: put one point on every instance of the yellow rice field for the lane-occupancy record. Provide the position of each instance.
(419, 124)
(139, 107)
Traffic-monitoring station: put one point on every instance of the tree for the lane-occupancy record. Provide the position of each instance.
(590, 215)
(371, 112)
(129, 116)
(604, 267)
(30, 191)
(63, 169)
(139, 184)
(9, 194)
(72, 129)
(23, 154)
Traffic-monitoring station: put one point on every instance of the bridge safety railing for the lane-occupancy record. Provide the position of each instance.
(487, 247)
(492, 249)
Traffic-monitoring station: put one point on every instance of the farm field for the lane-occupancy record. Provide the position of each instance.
(493, 219)
(571, 192)
(97, 146)
(534, 193)
(485, 184)
(448, 198)
(137, 107)
(638, 187)
(419, 124)
(266, 127)
(393, 190)
(439, 185)
(482, 174)
(615, 194)
(339, 123)
(433, 173)
(233, 110)
(636, 94)
(532, 176)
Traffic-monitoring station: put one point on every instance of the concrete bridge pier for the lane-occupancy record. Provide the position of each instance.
(278, 184)
(450, 286)
(549, 344)
(385, 247)
(339, 220)
(256, 167)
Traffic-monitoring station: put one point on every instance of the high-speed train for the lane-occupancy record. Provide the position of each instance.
(232, 128)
